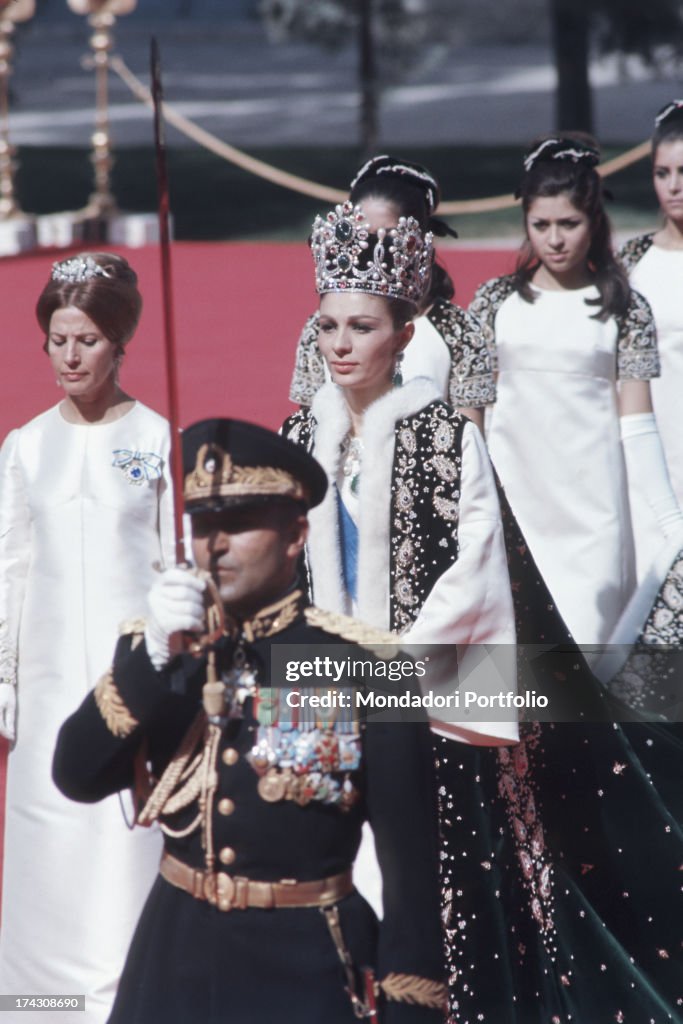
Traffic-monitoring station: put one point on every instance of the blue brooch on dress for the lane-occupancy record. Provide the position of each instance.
(138, 466)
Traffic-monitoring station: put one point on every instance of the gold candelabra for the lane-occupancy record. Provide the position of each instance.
(11, 12)
(102, 15)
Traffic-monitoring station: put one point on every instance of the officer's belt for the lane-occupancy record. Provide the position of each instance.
(230, 892)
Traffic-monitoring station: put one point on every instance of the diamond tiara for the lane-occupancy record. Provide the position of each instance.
(77, 269)
(394, 263)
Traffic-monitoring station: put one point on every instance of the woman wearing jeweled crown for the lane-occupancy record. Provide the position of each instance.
(414, 510)
(410, 537)
(654, 263)
(85, 508)
(575, 349)
(447, 345)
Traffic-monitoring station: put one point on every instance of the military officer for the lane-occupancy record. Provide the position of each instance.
(253, 918)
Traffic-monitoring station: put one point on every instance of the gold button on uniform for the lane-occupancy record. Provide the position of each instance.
(226, 805)
(230, 756)
(227, 855)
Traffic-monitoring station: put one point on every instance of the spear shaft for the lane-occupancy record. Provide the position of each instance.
(167, 296)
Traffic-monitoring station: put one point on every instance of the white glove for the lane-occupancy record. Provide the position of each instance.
(646, 464)
(8, 710)
(176, 604)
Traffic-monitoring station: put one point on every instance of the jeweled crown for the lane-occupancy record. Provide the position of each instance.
(395, 263)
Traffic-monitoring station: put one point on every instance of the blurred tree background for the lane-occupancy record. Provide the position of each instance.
(391, 36)
(652, 29)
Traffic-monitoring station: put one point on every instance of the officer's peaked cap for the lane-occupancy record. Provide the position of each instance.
(231, 462)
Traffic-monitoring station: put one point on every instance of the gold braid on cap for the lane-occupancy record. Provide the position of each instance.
(215, 475)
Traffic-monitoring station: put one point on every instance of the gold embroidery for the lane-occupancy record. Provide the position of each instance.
(408, 440)
(445, 468)
(116, 715)
(516, 787)
(274, 618)
(471, 380)
(411, 988)
(216, 475)
(405, 553)
(424, 509)
(447, 509)
(381, 642)
(403, 592)
(633, 251)
(444, 437)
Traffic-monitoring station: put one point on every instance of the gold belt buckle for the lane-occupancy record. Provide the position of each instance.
(219, 890)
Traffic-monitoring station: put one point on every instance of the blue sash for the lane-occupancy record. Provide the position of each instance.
(348, 536)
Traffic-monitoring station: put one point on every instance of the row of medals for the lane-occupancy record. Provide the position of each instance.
(294, 764)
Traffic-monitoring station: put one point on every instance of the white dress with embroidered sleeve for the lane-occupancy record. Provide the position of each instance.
(554, 440)
(86, 512)
(658, 275)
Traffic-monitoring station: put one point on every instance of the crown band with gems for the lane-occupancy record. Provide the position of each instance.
(215, 475)
(77, 269)
(562, 149)
(675, 107)
(394, 263)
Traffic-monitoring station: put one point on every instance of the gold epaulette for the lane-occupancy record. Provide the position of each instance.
(382, 643)
(129, 626)
(411, 988)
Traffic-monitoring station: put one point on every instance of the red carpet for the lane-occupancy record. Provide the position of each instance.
(238, 311)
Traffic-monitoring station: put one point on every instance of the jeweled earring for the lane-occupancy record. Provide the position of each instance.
(118, 359)
(397, 379)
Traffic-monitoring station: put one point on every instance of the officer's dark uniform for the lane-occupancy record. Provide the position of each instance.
(262, 809)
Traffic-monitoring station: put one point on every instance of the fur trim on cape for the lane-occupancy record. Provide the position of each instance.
(333, 423)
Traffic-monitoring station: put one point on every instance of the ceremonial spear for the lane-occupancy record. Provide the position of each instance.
(167, 297)
(215, 614)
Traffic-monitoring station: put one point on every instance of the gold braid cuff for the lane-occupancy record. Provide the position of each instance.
(411, 988)
(116, 715)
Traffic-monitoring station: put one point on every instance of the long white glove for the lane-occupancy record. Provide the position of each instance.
(8, 710)
(176, 604)
(645, 463)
